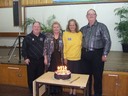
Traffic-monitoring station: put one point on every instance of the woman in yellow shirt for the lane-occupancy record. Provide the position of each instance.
(72, 41)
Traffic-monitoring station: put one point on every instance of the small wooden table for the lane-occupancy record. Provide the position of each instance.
(76, 80)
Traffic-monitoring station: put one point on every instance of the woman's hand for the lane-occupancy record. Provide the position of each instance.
(45, 60)
(65, 61)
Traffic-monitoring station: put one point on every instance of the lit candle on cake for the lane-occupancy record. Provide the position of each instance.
(60, 67)
(65, 67)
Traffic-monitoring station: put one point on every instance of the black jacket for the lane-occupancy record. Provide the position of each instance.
(32, 46)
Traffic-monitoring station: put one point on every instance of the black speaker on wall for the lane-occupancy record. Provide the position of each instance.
(16, 13)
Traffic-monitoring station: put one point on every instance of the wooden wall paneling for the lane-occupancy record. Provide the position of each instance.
(3, 77)
(18, 75)
(43, 1)
(110, 81)
(1, 3)
(6, 3)
(123, 84)
(23, 2)
(39, 2)
(12, 71)
(26, 2)
(115, 83)
(10, 2)
(34, 2)
(12, 74)
(30, 2)
(50, 1)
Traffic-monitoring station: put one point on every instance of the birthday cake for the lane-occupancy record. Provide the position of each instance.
(62, 73)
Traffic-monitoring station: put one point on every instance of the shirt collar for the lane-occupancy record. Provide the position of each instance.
(35, 35)
(93, 24)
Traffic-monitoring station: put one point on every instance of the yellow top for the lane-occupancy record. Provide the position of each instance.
(72, 45)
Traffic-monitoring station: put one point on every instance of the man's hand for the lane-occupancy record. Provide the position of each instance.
(104, 58)
(27, 61)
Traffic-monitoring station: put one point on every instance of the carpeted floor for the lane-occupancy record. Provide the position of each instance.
(7, 90)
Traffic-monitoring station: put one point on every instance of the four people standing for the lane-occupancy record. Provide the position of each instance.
(96, 46)
(95, 43)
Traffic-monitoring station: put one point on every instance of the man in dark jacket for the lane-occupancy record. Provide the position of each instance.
(32, 51)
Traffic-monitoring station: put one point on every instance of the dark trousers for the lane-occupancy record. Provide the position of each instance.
(74, 66)
(34, 70)
(91, 63)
